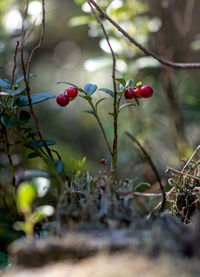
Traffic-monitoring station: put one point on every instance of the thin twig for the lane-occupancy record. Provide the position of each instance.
(153, 168)
(40, 40)
(15, 65)
(115, 123)
(141, 47)
(3, 198)
(182, 173)
(25, 72)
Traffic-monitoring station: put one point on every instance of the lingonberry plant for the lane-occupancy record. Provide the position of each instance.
(125, 89)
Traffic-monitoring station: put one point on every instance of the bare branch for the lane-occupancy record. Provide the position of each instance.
(141, 47)
(153, 168)
(115, 140)
(182, 173)
(26, 72)
(40, 40)
(15, 65)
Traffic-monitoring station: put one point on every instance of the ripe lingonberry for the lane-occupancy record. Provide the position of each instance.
(129, 93)
(138, 92)
(62, 99)
(146, 91)
(102, 161)
(72, 92)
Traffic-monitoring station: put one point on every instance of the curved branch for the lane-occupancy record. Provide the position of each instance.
(141, 47)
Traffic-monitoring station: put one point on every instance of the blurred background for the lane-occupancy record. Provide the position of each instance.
(74, 50)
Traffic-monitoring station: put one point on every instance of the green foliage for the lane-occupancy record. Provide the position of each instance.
(78, 165)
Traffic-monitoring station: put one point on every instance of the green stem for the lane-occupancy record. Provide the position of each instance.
(101, 126)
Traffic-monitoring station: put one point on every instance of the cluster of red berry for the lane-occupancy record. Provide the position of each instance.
(141, 91)
(68, 95)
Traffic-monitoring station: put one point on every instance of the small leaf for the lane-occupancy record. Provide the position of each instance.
(126, 105)
(120, 93)
(108, 91)
(21, 78)
(67, 84)
(26, 193)
(42, 212)
(112, 114)
(32, 155)
(98, 102)
(24, 117)
(8, 121)
(4, 84)
(40, 143)
(90, 89)
(86, 97)
(32, 173)
(89, 111)
(121, 81)
(59, 166)
(139, 84)
(22, 101)
(129, 83)
(14, 92)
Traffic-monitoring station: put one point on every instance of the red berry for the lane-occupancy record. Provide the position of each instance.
(62, 99)
(72, 92)
(102, 161)
(146, 91)
(138, 92)
(129, 93)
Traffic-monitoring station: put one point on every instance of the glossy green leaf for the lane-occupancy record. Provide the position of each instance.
(32, 155)
(21, 78)
(129, 83)
(26, 194)
(90, 89)
(4, 84)
(13, 92)
(98, 102)
(8, 121)
(67, 84)
(59, 166)
(121, 81)
(40, 143)
(22, 101)
(108, 91)
(126, 105)
(89, 111)
(86, 97)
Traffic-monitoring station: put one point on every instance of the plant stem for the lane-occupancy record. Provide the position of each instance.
(101, 127)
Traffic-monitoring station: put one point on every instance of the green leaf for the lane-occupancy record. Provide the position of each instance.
(120, 93)
(22, 101)
(59, 166)
(90, 89)
(40, 143)
(108, 91)
(79, 20)
(13, 92)
(8, 121)
(121, 81)
(24, 117)
(129, 83)
(21, 78)
(4, 84)
(32, 155)
(67, 84)
(126, 105)
(32, 173)
(112, 114)
(98, 102)
(89, 111)
(86, 97)
(26, 193)
(41, 213)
